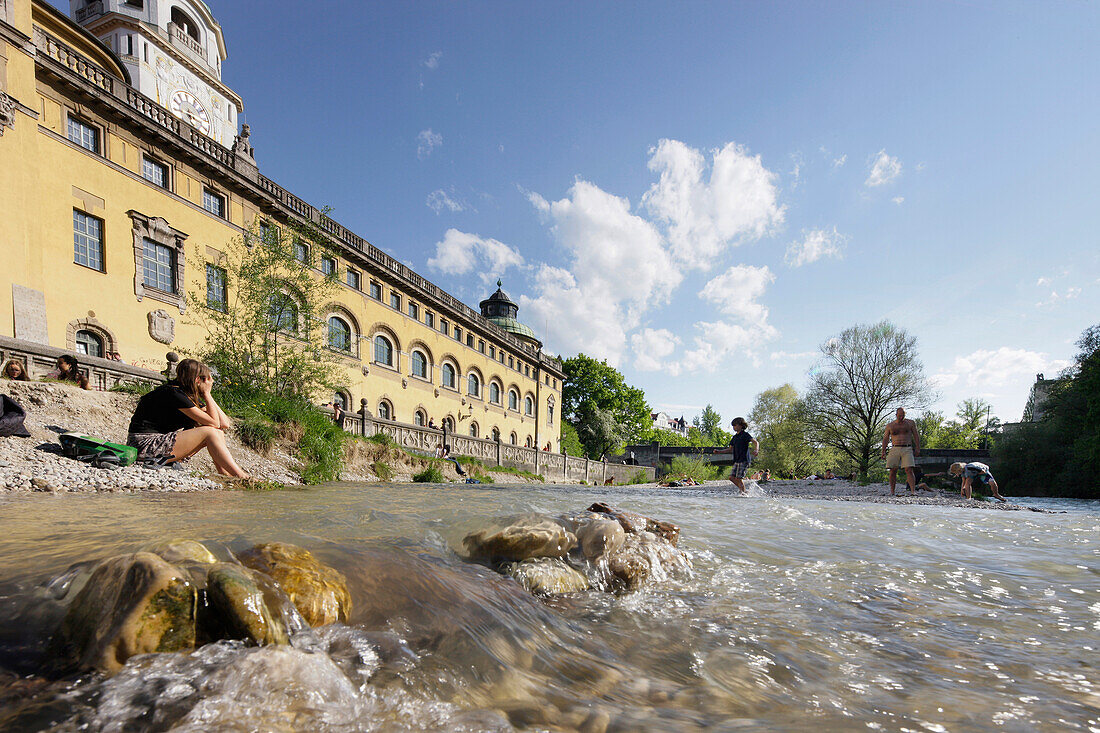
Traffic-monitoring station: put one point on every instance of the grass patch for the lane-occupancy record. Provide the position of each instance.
(638, 477)
(134, 389)
(430, 475)
(257, 432)
(694, 467)
(382, 439)
(321, 445)
(382, 470)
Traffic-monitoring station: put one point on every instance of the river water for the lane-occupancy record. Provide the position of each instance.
(798, 614)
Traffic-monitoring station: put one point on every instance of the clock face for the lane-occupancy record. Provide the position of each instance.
(187, 107)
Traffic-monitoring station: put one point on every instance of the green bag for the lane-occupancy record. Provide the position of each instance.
(99, 452)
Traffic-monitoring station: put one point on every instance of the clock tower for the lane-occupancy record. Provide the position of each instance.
(174, 52)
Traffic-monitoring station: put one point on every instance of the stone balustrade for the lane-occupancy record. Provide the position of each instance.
(39, 360)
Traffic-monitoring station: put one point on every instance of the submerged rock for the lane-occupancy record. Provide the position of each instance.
(177, 551)
(236, 607)
(522, 540)
(599, 537)
(319, 592)
(548, 576)
(131, 604)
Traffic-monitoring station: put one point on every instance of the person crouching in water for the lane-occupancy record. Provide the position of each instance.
(169, 425)
(739, 448)
(975, 473)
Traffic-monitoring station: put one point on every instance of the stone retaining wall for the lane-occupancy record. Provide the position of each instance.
(40, 359)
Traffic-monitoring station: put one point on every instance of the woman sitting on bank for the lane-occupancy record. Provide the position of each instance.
(67, 369)
(15, 370)
(169, 424)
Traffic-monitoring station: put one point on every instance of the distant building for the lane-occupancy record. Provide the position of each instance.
(1039, 400)
(664, 421)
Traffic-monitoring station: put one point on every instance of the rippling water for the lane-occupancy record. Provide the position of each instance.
(836, 615)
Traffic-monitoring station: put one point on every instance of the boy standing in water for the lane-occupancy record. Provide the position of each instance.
(739, 447)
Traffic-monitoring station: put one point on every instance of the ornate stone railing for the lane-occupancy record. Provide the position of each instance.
(39, 360)
(54, 49)
(552, 466)
(92, 8)
(74, 60)
(179, 36)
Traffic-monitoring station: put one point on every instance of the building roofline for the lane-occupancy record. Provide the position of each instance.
(123, 72)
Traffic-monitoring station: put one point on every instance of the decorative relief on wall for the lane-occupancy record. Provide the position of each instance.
(162, 327)
(7, 112)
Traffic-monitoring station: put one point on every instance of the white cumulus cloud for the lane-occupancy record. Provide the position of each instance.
(427, 141)
(736, 292)
(815, 244)
(652, 348)
(838, 162)
(703, 216)
(898, 200)
(986, 369)
(459, 253)
(883, 170)
(619, 268)
(717, 342)
(438, 200)
(432, 62)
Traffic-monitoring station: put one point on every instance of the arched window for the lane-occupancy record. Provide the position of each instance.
(449, 424)
(514, 438)
(383, 350)
(473, 430)
(473, 385)
(89, 343)
(513, 400)
(340, 400)
(420, 419)
(283, 313)
(449, 376)
(496, 433)
(339, 335)
(419, 365)
(385, 412)
(528, 443)
(494, 393)
(185, 23)
(529, 406)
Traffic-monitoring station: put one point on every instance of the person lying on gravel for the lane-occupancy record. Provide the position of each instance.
(169, 425)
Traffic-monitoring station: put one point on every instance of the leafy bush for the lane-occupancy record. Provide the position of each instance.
(382, 470)
(638, 477)
(430, 475)
(694, 467)
(134, 389)
(257, 432)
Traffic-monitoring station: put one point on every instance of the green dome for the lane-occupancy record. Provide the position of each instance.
(511, 325)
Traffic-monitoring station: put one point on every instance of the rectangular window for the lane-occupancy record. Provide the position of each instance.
(481, 345)
(154, 172)
(458, 333)
(526, 370)
(328, 266)
(215, 288)
(269, 232)
(355, 280)
(470, 340)
(429, 319)
(159, 266)
(444, 327)
(510, 364)
(414, 311)
(213, 202)
(395, 301)
(83, 134)
(87, 240)
(375, 290)
(301, 252)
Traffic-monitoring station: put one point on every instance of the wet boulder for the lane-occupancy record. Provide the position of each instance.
(645, 556)
(179, 551)
(237, 609)
(548, 576)
(132, 604)
(522, 540)
(599, 537)
(319, 592)
(635, 523)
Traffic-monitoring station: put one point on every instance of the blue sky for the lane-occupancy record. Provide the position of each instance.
(703, 193)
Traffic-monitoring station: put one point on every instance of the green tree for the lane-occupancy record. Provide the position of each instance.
(593, 393)
(865, 374)
(709, 423)
(785, 447)
(570, 441)
(262, 313)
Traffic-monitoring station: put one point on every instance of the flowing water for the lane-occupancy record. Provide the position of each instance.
(835, 615)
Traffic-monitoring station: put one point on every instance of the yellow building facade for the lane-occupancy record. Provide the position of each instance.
(112, 205)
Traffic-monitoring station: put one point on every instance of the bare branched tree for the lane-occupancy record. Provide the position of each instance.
(864, 375)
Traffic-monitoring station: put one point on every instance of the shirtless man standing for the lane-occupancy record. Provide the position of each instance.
(905, 446)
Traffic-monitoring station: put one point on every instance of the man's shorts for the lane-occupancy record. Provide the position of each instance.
(900, 456)
(982, 479)
(738, 470)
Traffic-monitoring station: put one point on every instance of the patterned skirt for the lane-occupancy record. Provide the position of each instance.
(153, 446)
